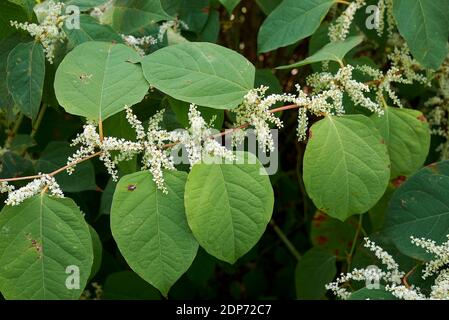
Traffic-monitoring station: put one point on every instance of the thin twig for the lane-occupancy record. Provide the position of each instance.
(285, 240)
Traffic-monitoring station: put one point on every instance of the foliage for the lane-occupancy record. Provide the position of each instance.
(129, 162)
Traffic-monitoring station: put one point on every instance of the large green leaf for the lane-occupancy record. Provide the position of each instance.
(290, 22)
(55, 156)
(151, 229)
(97, 79)
(346, 165)
(228, 206)
(407, 135)
(131, 16)
(25, 76)
(425, 26)
(420, 208)
(39, 240)
(202, 73)
(315, 269)
(91, 30)
(334, 51)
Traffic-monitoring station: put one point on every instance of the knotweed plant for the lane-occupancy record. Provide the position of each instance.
(154, 123)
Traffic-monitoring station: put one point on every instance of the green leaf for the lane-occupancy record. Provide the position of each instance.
(126, 285)
(332, 235)
(315, 269)
(228, 206)
(84, 4)
(230, 4)
(424, 25)
(55, 156)
(267, 6)
(194, 13)
(27, 6)
(334, 51)
(97, 79)
(211, 30)
(131, 16)
(202, 73)
(346, 165)
(407, 135)
(97, 252)
(91, 30)
(290, 22)
(25, 76)
(106, 197)
(372, 294)
(151, 229)
(420, 208)
(10, 12)
(39, 239)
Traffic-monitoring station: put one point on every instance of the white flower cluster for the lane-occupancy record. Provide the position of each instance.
(33, 188)
(385, 7)
(342, 81)
(90, 141)
(154, 143)
(173, 25)
(440, 252)
(338, 31)
(404, 69)
(140, 44)
(199, 141)
(392, 276)
(255, 110)
(49, 31)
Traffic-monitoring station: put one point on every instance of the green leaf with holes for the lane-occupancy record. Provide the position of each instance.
(334, 51)
(228, 206)
(25, 76)
(202, 73)
(420, 208)
(43, 241)
(97, 79)
(407, 135)
(346, 165)
(291, 21)
(151, 229)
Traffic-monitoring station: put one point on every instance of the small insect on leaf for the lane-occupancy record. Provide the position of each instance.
(132, 187)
